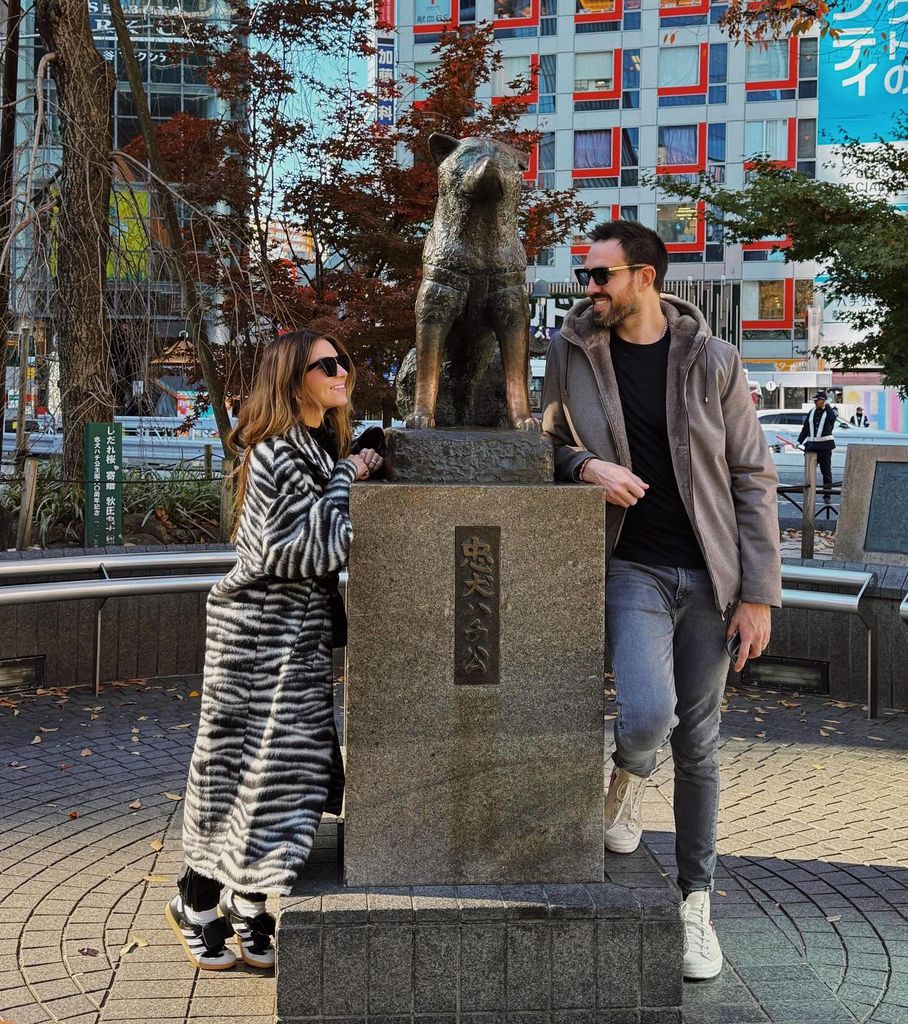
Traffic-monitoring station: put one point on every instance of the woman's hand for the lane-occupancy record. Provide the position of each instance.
(367, 462)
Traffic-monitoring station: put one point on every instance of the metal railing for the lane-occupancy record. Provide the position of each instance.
(852, 604)
(903, 608)
(107, 586)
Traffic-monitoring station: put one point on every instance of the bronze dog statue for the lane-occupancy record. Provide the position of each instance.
(473, 289)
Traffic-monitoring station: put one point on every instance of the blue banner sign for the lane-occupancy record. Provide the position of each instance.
(863, 73)
(384, 73)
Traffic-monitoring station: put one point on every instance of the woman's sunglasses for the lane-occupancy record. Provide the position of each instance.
(600, 275)
(329, 364)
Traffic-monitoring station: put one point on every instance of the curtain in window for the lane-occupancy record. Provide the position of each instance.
(770, 137)
(547, 152)
(679, 65)
(592, 149)
(511, 68)
(678, 145)
(769, 64)
(593, 71)
(548, 64)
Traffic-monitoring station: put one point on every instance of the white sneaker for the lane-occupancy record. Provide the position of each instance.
(254, 934)
(623, 824)
(204, 944)
(702, 955)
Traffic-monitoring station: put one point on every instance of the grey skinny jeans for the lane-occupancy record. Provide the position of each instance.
(667, 642)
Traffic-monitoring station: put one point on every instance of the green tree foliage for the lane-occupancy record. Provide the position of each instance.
(860, 237)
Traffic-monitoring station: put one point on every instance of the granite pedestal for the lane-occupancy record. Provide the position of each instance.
(604, 953)
(461, 776)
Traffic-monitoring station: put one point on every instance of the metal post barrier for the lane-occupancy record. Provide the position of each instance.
(27, 504)
(810, 503)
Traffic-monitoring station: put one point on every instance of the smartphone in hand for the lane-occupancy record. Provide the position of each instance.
(733, 647)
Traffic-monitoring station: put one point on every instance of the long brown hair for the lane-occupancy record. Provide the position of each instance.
(275, 403)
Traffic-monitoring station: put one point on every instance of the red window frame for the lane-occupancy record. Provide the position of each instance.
(613, 170)
(702, 84)
(607, 94)
(530, 176)
(528, 22)
(533, 95)
(787, 321)
(582, 250)
(700, 165)
(783, 83)
(616, 15)
(438, 27)
(699, 243)
(684, 11)
(791, 157)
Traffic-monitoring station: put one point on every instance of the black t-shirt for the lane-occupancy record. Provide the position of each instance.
(657, 530)
(325, 438)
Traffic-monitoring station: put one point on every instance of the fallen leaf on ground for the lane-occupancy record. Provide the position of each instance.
(18, 767)
(85, 753)
(133, 942)
(757, 718)
(185, 725)
(833, 918)
(721, 892)
(63, 767)
(74, 814)
(156, 844)
(194, 693)
(44, 728)
(37, 739)
(882, 739)
(136, 805)
(823, 732)
(819, 767)
(789, 704)
(174, 796)
(88, 951)
(760, 735)
(156, 878)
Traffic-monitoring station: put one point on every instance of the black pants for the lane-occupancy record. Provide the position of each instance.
(824, 461)
(201, 893)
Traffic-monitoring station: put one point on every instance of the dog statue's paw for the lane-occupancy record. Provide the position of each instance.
(528, 423)
(420, 421)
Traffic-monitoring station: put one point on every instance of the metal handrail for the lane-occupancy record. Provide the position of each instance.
(77, 590)
(903, 608)
(99, 563)
(818, 600)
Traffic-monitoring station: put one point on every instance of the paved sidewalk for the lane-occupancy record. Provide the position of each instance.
(812, 891)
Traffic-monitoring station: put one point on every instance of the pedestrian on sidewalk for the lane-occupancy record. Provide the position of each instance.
(641, 400)
(816, 436)
(859, 418)
(267, 762)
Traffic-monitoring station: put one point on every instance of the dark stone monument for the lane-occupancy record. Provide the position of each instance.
(873, 522)
(468, 881)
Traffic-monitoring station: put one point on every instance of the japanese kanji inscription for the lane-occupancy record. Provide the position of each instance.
(477, 576)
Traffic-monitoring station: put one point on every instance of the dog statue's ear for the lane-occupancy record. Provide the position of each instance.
(441, 146)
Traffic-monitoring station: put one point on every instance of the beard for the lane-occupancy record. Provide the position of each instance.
(619, 308)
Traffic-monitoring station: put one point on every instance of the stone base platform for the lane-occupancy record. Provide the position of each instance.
(606, 953)
(469, 455)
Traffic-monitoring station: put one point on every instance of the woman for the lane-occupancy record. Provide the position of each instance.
(267, 762)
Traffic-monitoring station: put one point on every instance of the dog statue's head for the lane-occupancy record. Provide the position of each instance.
(478, 169)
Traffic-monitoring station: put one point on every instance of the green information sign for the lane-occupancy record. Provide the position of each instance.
(103, 487)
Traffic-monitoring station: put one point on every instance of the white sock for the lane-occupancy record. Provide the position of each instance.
(246, 908)
(200, 917)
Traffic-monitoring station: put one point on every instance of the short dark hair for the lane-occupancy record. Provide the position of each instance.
(640, 244)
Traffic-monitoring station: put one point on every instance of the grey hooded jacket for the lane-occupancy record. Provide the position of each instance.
(725, 474)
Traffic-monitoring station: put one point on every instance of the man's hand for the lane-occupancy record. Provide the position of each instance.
(622, 487)
(753, 623)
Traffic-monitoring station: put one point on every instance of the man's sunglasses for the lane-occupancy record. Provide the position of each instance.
(601, 274)
(329, 364)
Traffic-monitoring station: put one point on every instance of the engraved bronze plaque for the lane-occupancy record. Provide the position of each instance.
(477, 607)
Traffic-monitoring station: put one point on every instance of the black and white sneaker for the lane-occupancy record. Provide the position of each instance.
(254, 935)
(205, 944)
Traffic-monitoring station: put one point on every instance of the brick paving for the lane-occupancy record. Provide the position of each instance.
(812, 885)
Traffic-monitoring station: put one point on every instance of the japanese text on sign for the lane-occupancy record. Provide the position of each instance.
(103, 487)
(384, 76)
(477, 577)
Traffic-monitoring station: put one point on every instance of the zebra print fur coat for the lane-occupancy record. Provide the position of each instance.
(266, 761)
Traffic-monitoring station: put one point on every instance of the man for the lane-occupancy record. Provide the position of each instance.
(816, 436)
(859, 419)
(642, 401)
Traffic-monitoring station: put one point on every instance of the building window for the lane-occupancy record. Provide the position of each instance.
(771, 70)
(763, 300)
(629, 213)
(630, 159)
(718, 72)
(423, 71)
(596, 163)
(768, 139)
(547, 160)
(513, 76)
(715, 152)
(594, 72)
(630, 80)
(676, 223)
(631, 15)
(807, 146)
(807, 68)
(715, 237)
(676, 13)
(598, 16)
(677, 145)
(548, 25)
(516, 19)
(679, 66)
(546, 85)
